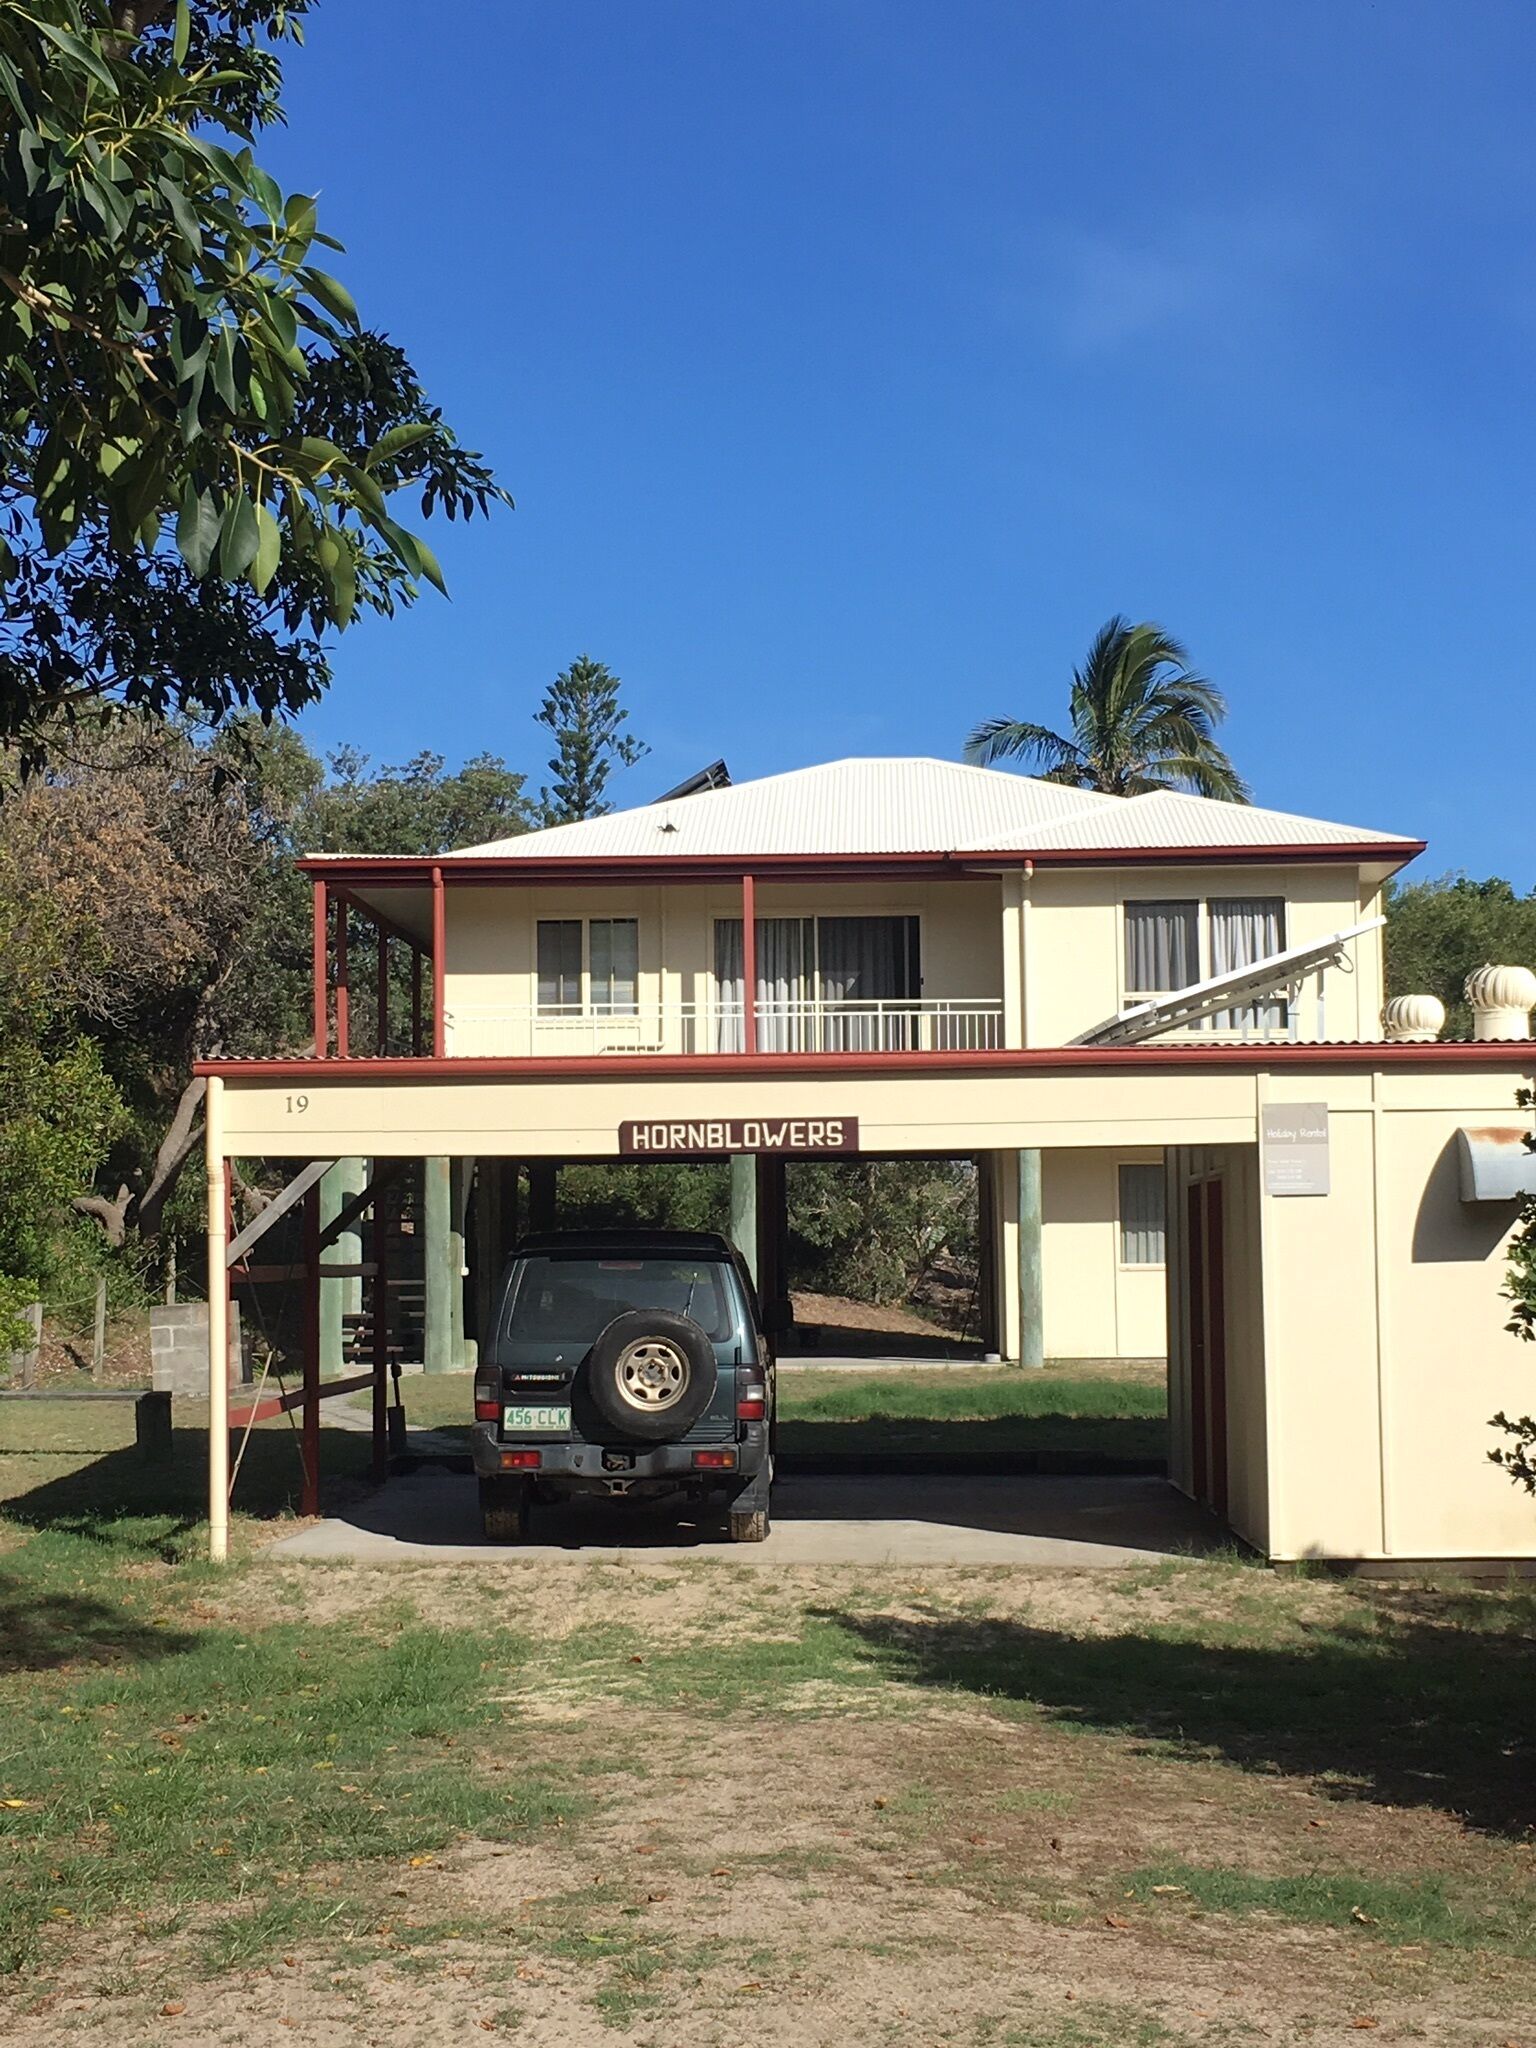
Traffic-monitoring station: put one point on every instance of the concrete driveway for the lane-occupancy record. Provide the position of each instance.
(432, 1515)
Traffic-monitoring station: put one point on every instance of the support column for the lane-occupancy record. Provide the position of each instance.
(460, 1175)
(438, 1268)
(486, 1215)
(1031, 1314)
(339, 1298)
(543, 1193)
(773, 1244)
(744, 1217)
(309, 1433)
(383, 1212)
(218, 1323)
(987, 1257)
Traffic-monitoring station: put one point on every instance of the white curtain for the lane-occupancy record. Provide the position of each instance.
(1143, 1238)
(785, 961)
(730, 1029)
(1245, 929)
(613, 945)
(1162, 947)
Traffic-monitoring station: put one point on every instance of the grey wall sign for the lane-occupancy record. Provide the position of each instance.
(682, 1139)
(1295, 1148)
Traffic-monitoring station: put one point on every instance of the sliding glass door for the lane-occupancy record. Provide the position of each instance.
(823, 984)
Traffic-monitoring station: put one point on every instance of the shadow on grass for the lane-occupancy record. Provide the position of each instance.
(44, 1629)
(129, 1505)
(1107, 1437)
(1413, 1699)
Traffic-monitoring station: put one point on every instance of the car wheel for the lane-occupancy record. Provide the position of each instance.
(651, 1374)
(749, 1527)
(504, 1510)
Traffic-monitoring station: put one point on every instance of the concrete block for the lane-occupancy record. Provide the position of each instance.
(178, 1340)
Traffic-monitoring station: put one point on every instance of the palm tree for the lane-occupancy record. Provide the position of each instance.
(1140, 721)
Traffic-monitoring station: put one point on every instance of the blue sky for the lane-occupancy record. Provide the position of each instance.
(852, 360)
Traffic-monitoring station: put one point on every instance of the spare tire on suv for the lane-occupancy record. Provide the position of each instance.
(651, 1374)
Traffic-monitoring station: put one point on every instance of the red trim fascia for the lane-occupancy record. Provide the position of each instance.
(381, 995)
(439, 964)
(402, 871)
(1517, 1054)
(321, 999)
(749, 965)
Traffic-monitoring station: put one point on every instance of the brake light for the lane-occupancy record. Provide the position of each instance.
(521, 1461)
(487, 1406)
(715, 1461)
(752, 1402)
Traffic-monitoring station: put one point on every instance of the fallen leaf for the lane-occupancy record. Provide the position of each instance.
(655, 1898)
(1364, 2020)
(1359, 1914)
(1166, 1889)
(751, 1985)
(1056, 1843)
(488, 2026)
(1116, 1920)
(979, 1841)
(172, 2011)
(16, 1805)
(637, 1660)
(879, 1803)
(420, 1862)
(721, 1870)
(645, 1848)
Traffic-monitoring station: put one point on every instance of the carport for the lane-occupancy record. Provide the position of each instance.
(1336, 1331)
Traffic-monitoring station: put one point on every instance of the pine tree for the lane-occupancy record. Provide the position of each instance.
(581, 708)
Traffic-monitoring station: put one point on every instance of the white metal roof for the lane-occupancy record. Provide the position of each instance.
(901, 805)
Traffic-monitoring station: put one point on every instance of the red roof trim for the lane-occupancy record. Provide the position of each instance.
(406, 870)
(1518, 1054)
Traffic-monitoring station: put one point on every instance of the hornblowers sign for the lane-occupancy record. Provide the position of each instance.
(740, 1134)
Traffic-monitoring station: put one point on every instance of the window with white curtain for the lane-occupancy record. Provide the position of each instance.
(1143, 1239)
(808, 970)
(1162, 948)
(559, 949)
(1245, 929)
(608, 948)
(613, 965)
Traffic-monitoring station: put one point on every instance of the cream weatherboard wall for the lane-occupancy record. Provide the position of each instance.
(1095, 1305)
(1074, 943)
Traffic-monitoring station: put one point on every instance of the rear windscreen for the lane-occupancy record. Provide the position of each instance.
(554, 1299)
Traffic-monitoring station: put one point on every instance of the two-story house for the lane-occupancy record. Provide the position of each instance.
(1138, 1015)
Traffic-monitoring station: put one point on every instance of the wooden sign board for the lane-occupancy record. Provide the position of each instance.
(1295, 1148)
(696, 1137)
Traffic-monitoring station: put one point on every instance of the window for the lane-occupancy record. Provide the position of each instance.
(613, 950)
(809, 966)
(1170, 946)
(1162, 948)
(1142, 1240)
(560, 964)
(1245, 929)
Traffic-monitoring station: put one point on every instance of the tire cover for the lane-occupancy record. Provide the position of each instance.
(616, 1340)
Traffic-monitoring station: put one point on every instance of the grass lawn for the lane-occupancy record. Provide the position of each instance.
(689, 1806)
(1104, 1411)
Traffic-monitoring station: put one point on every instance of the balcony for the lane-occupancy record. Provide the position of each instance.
(904, 1025)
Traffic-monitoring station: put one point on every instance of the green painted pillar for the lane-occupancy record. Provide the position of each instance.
(1031, 1312)
(743, 1224)
(339, 1298)
(460, 1180)
(439, 1267)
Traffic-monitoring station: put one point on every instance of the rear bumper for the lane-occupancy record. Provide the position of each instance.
(582, 1467)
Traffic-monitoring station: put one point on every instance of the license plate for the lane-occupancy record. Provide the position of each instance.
(522, 1420)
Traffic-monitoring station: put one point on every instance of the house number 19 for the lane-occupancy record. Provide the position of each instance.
(297, 1104)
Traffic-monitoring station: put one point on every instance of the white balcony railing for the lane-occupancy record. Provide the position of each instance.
(941, 1024)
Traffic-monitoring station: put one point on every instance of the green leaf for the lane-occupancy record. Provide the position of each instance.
(183, 35)
(266, 192)
(397, 440)
(334, 296)
(182, 214)
(83, 54)
(239, 537)
(429, 564)
(10, 84)
(223, 367)
(269, 548)
(197, 528)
